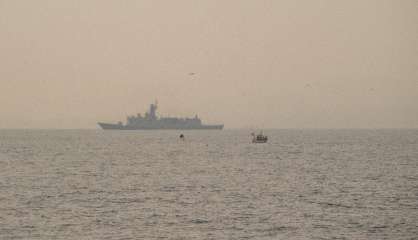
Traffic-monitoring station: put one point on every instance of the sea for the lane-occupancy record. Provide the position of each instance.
(301, 184)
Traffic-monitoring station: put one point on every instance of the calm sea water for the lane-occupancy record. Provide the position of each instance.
(302, 184)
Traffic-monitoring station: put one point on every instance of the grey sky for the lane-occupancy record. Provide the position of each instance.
(263, 64)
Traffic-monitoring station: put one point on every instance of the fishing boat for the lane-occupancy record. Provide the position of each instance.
(259, 138)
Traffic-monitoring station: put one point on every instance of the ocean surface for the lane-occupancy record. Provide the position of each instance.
(302, 184)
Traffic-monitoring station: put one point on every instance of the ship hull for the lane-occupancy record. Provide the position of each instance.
(111, 126)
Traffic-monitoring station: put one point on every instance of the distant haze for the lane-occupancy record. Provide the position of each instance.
(258, 64)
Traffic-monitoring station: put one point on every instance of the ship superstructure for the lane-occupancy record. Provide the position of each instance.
(151, 121)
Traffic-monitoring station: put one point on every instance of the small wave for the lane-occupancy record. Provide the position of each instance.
(334, 205)
(199, 221)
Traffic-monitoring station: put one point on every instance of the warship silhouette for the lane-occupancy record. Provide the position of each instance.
(151, 121)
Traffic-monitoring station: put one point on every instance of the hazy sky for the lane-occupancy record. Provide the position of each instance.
(262, 64)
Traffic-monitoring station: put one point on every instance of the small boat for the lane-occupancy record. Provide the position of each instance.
(259, 138)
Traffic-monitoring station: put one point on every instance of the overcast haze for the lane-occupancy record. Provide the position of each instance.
(262, 64)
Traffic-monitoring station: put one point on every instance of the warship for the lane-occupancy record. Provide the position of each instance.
(151, 121)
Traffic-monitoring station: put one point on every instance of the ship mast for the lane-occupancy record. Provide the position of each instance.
(153, 110)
